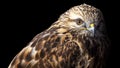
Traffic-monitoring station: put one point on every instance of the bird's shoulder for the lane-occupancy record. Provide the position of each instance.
(55, 45)
(54, 37)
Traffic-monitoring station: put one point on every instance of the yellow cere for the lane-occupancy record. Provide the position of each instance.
(92, 25)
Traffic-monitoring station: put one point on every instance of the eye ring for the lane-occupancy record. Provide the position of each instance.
(78, 21)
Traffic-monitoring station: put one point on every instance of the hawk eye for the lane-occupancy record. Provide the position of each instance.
(78, 21)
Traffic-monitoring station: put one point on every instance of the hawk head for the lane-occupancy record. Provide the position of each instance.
(85, 19)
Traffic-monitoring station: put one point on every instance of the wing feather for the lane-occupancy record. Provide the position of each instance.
(52, 51)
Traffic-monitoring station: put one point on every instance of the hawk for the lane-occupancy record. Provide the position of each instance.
(78, 39)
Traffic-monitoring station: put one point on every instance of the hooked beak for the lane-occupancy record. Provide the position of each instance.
(91, 28)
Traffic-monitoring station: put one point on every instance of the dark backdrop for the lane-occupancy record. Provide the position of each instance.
(22, 20)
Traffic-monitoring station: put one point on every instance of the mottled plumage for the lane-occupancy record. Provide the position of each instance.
(76, 40)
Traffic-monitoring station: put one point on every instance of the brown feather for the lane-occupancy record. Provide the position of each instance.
(66, 44)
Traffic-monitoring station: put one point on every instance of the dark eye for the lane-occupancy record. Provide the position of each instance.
(78, 21)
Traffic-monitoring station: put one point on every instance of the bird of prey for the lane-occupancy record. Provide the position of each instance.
(78, 39)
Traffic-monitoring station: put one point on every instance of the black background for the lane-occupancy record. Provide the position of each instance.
(22, 20)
